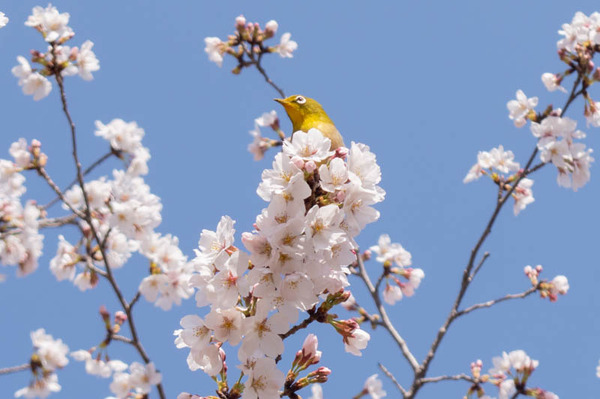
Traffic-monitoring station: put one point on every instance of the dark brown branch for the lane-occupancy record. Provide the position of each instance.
(305, 323)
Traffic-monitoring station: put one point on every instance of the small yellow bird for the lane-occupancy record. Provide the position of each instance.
(306, 113)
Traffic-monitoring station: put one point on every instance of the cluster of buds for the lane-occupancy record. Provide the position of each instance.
(306, 357)
(510, 374)
(547, 289)
(247, 44)
(59, 60)
(28, 157)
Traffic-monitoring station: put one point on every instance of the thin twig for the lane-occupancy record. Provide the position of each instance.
(495, 301)
(15, 369)
(300, 326)
(481, 262)
(457, 377)
(43, 223)
(537, 167)
(122, 339)
(134, 300)
(256, 63)
(85, 173)
(391, 377)
(42, 172)
(268, 79)
(58, 222)
(88, 218)
(386, 322)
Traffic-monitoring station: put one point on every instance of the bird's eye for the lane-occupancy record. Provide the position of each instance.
(300, 100)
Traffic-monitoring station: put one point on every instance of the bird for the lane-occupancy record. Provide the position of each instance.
(306, 113)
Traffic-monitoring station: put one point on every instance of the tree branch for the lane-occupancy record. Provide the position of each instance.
(85, 173)
(88, 218)
(457, 377)
(385, 320)
(495, 301)
(15, 369)
(466, 279)
(391, 377)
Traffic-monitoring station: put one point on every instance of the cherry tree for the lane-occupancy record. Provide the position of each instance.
(297, 268)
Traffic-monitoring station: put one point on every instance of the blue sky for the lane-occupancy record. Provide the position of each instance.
(425, 84)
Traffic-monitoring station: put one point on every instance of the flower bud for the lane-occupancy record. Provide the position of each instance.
(271, 28)
(240, 22)
(120, 317)
(310, 166)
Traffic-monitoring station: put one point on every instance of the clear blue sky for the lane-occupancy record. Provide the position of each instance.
(425, 84)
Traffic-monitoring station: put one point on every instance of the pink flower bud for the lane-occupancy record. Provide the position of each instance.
(341, 152)
(296, 160)
(240, 22)
(271, 27)
(310, 166)
(340, 196)
(120, 317)
(309, 348)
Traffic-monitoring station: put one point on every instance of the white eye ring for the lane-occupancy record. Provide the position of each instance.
(300, 100)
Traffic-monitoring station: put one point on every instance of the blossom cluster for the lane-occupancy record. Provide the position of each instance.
(59, 59)
(547, 289)
(299, 252)
(495, 162)
(511, 371)
(390, 253)
(125, 214)
(136, 383)
(556, 141)
(247, 44)
(20, 241)
(49, 355)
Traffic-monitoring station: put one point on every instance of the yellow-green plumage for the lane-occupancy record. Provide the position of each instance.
(306, 113)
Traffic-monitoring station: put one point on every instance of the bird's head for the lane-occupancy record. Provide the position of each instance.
(299, 108)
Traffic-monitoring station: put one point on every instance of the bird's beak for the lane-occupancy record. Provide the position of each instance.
(279, 100)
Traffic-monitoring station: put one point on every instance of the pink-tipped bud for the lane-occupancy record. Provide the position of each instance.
(104, 313)
(240, 22)
(271, 28)
(310, 166)
(299, 162)
(367, 254)
(539, 269)
(341, 152)
(309, 348)
(120, 317)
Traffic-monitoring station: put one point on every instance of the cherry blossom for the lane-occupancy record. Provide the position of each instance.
(286, 46)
